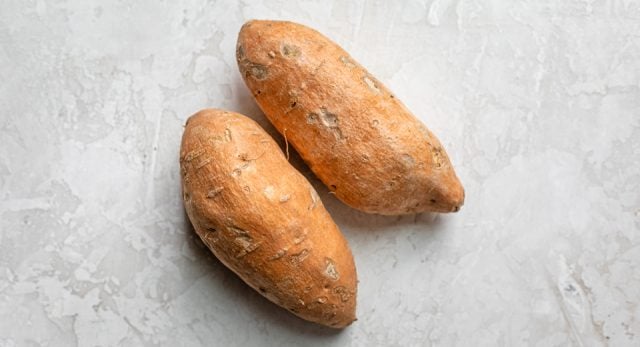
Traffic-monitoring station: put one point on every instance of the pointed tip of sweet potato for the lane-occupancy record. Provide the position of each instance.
(453, 197)
(447, 194)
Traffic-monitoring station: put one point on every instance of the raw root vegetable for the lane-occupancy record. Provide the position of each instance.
(356, 136)
(264, 220)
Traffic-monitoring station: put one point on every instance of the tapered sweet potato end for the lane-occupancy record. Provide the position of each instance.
(446, 193)
(451, 196)
(345, 319)
(256, 25)
(250, 46)
(339, 319)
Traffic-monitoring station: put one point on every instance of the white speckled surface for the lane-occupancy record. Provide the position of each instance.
(537, 103)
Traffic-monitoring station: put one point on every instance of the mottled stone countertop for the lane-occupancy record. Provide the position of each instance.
(537, 103)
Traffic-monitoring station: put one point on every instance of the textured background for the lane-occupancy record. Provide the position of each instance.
(537, 103)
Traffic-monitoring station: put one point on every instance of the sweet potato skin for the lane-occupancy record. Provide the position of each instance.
(355, 135)
(264, 220)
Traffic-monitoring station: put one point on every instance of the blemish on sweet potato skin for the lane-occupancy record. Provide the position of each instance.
(325, 121)
(285, 198)
(312, 118)
(281, 253)
(371, 84)
(214, 192)
(262, 218)
(290, 51)
(299, 257)
(330, 269)
(258, 71)
(347, 61)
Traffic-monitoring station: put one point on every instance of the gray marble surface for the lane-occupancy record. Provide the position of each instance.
(537, 103)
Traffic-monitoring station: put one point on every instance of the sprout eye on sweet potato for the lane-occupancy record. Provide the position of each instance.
(356, 136)
(263, 219)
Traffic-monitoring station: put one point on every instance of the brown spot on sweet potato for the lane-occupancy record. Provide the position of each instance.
(258, 71)
(390, 185)
(312, 118)
(239, 52)
(290, 51)
(343, 293)
(293, 98)
(247, 158)
(328, 119)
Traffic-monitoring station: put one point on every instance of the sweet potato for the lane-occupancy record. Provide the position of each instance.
(355, 135)
(264, 220)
